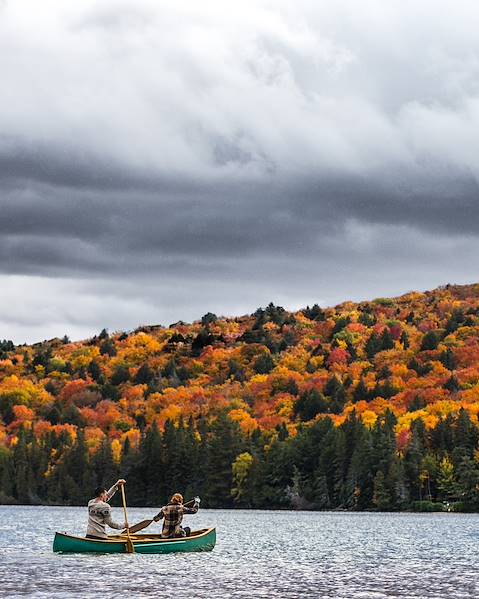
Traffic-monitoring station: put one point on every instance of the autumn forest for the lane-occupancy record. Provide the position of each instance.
(370, 405)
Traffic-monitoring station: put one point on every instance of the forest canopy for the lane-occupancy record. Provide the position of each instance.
(370, 405)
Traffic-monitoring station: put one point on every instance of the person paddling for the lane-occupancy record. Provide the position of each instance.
(173, 515)
(99, 512)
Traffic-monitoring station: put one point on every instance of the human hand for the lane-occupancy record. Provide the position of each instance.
(197, 500)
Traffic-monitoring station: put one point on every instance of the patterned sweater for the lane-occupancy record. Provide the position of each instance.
(99, 515)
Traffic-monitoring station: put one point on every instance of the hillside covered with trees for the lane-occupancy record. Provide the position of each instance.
(370, 405)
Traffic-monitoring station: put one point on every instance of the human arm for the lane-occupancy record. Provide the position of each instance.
(159, 515)
(112, 490)
(111, 523)
(194, 509)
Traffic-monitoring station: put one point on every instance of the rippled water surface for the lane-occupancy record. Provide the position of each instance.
(258, 554)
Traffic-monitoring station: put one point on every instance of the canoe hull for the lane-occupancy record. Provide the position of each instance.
(203, 540)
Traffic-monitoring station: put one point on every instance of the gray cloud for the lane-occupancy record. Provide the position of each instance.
(160, 161)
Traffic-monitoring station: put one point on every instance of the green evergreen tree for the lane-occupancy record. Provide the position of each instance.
(144, 375)
(152, 467)
(382, 495)
(76, 467)
(94, 370)
(404, 339)
(468, 483)
(373, 345)
(361, 392)
(22, 472)
(448, 359)
(264, 363)
(120, 375)
(224, 445)
(104, 468)
(309, 404)
(430, 341)
(387, 341)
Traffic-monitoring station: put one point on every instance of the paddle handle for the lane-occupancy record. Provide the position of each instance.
(124, 506)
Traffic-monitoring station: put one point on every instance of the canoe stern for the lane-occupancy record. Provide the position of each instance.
(63, 543)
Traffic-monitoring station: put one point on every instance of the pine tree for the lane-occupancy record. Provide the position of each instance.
(144, 375)
(21, 466)
(404, 340)
(152, 467)
(321, 491)
(7, 475)
(224, 445)
(382, 495)
(387, 341)
(103, 465)
(311, 403)
(430, 341)
(465, 433)
(94, 370)
(361, 392)
(264, 363)
(373, 345)
(131, 470)
(413, 459)
(468, 483)
(76, 466)
(448, 359)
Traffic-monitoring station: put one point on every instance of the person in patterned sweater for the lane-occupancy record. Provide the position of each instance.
(173, 516)
(99, 512)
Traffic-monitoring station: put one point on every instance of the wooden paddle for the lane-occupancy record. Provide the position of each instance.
(144, 523)
(129, 543)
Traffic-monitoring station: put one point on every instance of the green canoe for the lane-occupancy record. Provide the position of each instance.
(199, 540)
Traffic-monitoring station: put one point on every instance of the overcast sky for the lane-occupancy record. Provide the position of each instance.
(159, 160)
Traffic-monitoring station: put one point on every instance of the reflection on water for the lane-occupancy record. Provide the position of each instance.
(258, 554)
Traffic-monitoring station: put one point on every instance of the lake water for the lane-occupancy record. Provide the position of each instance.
(258, 554)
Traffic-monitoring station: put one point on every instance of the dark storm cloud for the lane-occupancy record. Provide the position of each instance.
(90, 233)
(159, 161)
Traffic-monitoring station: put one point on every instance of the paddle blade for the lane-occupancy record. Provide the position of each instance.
(140, 526)
(130, 548)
